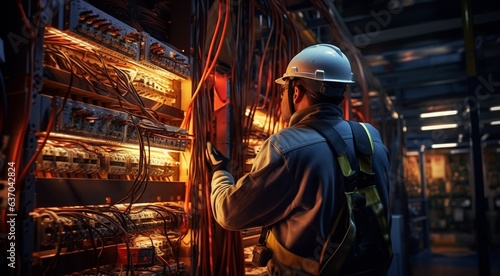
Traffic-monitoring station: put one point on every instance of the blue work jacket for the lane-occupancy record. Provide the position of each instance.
(294, 184)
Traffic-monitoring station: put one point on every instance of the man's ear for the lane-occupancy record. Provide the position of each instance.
(298, 95)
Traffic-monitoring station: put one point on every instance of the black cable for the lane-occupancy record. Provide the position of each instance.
(174, 217)
(146, 172)
(141, 175)
(121, 217)
(100, 214)
(92, 240)
(53, 262)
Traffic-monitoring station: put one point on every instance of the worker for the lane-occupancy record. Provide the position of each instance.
(294, 187)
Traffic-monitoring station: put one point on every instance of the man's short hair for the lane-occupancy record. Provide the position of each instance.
(312, 88)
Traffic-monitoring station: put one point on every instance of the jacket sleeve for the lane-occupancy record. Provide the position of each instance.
(259, 198)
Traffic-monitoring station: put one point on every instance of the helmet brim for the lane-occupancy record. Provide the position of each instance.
(280, 80)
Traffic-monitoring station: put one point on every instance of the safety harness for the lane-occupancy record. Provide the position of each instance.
(360, 182)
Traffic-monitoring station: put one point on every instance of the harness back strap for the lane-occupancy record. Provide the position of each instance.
(364, 150)
(337, 143)
(364, 146)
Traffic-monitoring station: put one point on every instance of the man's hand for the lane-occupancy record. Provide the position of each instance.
(215, 159)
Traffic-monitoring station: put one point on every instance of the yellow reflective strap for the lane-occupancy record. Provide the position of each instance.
(345, 166)
(382, 222)
(373, 200)
(290, 259)
(369, 136)
(371, 195)
(365, 162)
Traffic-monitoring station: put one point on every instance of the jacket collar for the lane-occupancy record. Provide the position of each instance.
(323, 110)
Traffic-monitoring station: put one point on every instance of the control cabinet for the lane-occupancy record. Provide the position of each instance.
(102, 169)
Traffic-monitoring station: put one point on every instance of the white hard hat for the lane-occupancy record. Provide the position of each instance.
(321, 62)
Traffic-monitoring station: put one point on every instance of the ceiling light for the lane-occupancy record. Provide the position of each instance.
(495, 108)
(495, 123)
(434, 127)
(459, 151)
(445, 145)
(439, 113)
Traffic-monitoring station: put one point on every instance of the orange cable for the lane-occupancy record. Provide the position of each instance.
(205, 70)
(17, 156)
(212, 65)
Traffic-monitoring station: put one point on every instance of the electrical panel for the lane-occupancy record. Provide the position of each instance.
(111, 158)
(135, 238)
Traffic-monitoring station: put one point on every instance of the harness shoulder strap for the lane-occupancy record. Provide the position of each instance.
(363, 146)
(335, 141)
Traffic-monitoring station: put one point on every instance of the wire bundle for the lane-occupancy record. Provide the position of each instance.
(273, 53)
(255, 63)
(252, 88)
(155, 20)
(198, 190)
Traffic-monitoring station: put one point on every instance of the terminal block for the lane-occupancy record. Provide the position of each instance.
(100, 27)
(165, 56)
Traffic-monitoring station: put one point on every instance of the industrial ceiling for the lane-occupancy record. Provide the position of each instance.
(416, 51)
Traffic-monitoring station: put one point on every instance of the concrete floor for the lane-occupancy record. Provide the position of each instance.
(452, 261)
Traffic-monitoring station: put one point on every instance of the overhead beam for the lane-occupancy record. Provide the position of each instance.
(425, 28)
(420, 77)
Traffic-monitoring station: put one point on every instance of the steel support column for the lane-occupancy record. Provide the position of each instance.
(481, 222)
